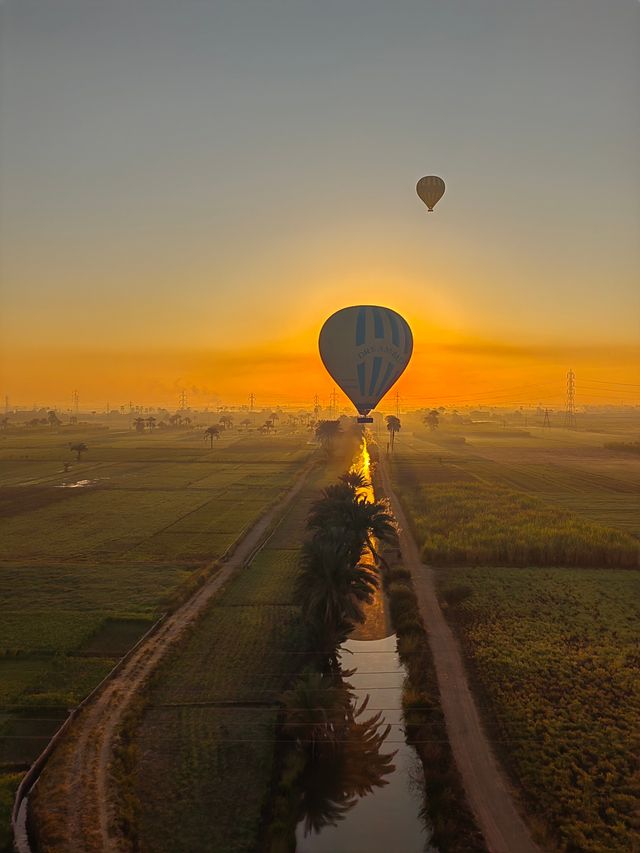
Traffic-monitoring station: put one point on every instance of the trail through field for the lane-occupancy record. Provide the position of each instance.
(81, 765)
(485, 784)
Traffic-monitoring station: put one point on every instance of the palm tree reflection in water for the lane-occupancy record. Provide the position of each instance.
(345, 761)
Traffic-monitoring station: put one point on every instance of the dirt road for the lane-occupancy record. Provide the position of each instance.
(484, 781)
(73, 796)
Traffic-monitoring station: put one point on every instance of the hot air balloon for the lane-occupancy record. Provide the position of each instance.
(365, 348)
(430, 189)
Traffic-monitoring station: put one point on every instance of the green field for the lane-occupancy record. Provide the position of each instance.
(85, 570)
(553, 652)
(205, 743)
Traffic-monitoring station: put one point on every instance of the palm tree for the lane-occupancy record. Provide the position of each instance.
(226, 421)
(139, 424)
(211, 433)
(394, 426)
(327, 433)
(151, 422)
(53, 419)
(331, 589)
(355, 480)
(78, 448)
(432, 420)
(175, 420)
(361, 520)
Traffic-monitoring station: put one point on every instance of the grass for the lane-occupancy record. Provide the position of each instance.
(555, 655)
(552, 650)
(481, 524)
(84, 571)
(8, 785)
(205, 743)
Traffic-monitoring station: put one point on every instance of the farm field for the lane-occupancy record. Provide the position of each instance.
(205, 744)
(571, 469)
(85, 570)
(552, 650)
(554, 653)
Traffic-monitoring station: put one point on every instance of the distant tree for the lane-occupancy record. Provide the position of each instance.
(394, 426)
(5, 423)
(187, 421)
(78, 448)
(211, 433)
(226, 421)
(268, 426)
(246, 423)
(175, 420)
(52, 419)
(151, 422)
(432, 420)
(327, 433)
(139, 424)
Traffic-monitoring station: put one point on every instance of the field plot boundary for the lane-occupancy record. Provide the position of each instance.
(484, 781)
(87, 759)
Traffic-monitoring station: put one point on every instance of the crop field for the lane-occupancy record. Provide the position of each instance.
(573, 470)
(480, 524)
(555, 653)
(90, 557)
(205, 744)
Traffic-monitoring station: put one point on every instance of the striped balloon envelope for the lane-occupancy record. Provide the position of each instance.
(365, 348)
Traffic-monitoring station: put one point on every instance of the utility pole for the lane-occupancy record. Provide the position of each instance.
(75, 399)
(182, 401)
(570, 408)
(316, 406)
(547, 422)
(6, 404)
(252, 400)
(334, 403)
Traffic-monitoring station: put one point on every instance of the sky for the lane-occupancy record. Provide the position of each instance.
(190, 187)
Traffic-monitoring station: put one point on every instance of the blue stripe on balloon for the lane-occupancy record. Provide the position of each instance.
(361, 379)
(394, 329)
(378, 325)
(389, 383)
(361, 327)
(408, 339)
(377, 364)
(385, 378)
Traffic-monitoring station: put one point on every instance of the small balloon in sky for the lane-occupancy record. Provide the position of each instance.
(365, 348)
(430, 189)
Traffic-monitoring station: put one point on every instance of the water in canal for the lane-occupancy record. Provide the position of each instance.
(389, 817)
(370, 799)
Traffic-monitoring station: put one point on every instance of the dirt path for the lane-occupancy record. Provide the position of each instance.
(79, 778)
(485, 784)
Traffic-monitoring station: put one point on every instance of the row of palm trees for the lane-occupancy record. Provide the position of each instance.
(333, 584)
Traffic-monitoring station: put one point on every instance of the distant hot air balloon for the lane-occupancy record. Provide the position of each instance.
(365, 348)
(430, 189)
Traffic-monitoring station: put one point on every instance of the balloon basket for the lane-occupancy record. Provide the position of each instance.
(363, 420)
